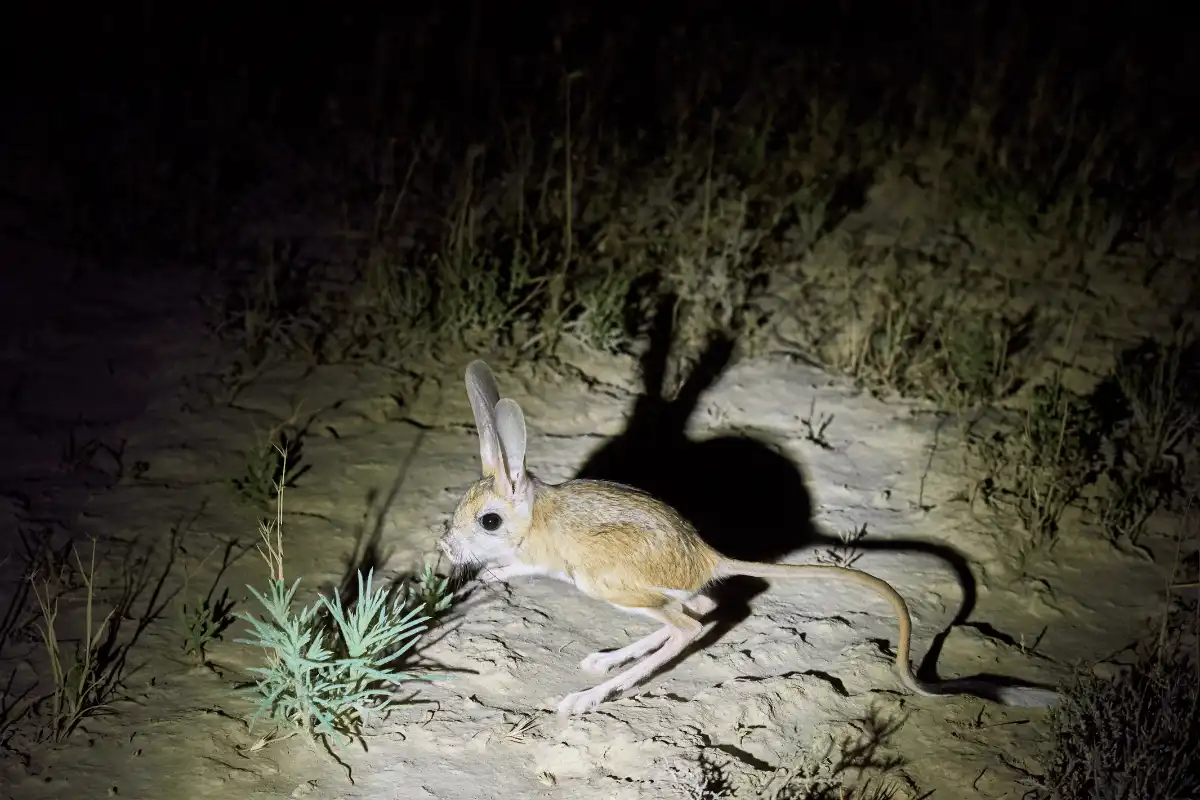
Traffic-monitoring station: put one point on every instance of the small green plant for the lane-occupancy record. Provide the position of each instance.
(327, 682)
(203, 623)
(261, 471)
(264, 466)
(1037, 471)
(84, 679)
(326, 679)
(430, 592)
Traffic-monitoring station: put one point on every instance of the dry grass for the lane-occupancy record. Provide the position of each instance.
(82, 658)
(1154, 396)
(1135, 735)
(84, 679)
(73, 624)
(1033, 466)
(563, 219)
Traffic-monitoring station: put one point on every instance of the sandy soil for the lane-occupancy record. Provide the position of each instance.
(122, 360)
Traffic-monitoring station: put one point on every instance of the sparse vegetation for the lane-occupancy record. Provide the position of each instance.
(203, 622)
(927, 217)
(78, 629)
(85, 678)
(308, 683)
(262, 470)
(200, 621)
(1035, 469)
(1135, 736)
(731, 186)
(848, 768)
(1153, 398)
(326, 680)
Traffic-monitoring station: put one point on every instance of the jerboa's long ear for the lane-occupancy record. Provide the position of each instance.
(510, 427)
(484, 395)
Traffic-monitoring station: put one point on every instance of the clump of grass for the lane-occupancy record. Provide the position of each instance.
(882, 347)
(85, 677)
(328, 667)
(846, 553)
(599, 310)
(815, 426)
(1136, 737)
(1153, 396)
(913, 336)
(1053, 461)
(1036, 469)
(1126, 502)
(204, 621)
(975, 359)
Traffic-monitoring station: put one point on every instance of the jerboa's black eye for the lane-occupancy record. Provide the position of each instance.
(490, 521)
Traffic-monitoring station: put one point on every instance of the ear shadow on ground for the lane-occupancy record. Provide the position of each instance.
(745, 498)
(728, 487)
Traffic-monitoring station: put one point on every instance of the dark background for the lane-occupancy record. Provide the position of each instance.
(151, 129)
